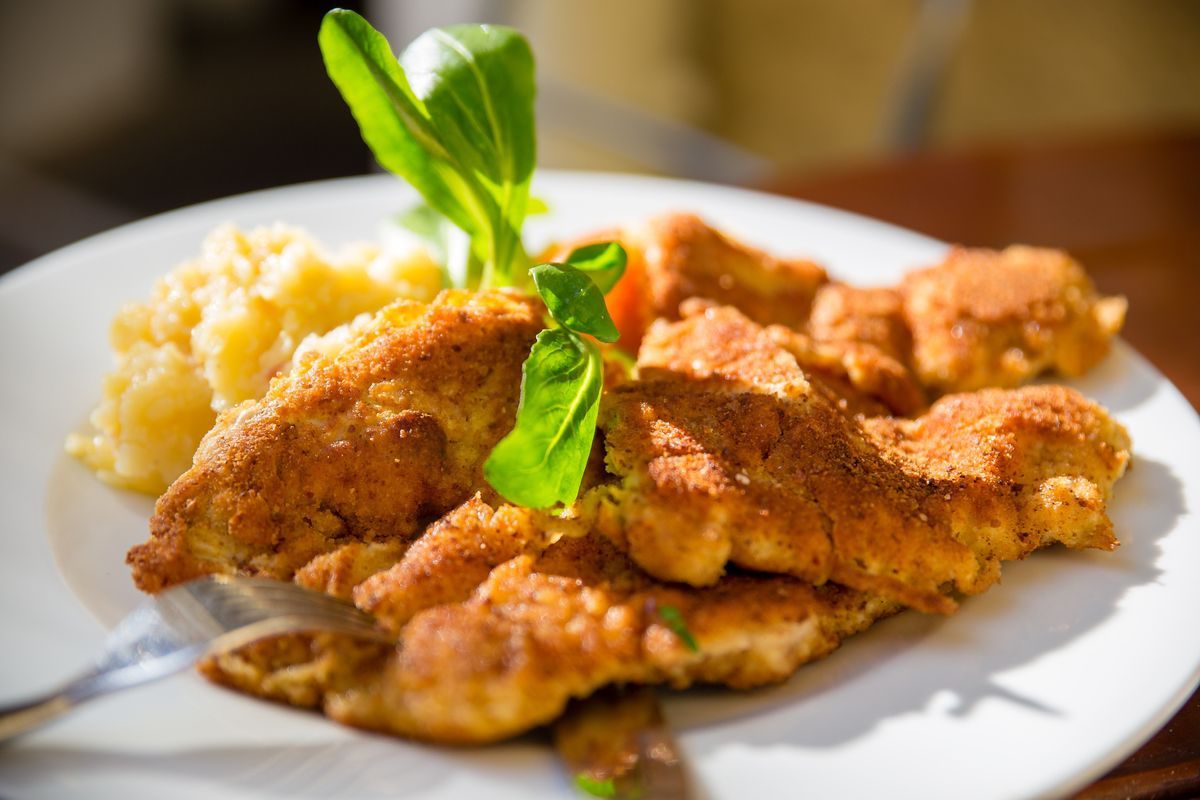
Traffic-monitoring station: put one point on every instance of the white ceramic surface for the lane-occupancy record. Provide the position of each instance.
(1030, 690)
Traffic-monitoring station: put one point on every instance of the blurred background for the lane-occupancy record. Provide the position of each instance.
(111, 111)
(1070, 123)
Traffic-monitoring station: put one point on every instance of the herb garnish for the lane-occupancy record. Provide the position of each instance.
(604, 262)
(453, 116)
(674, 620)
(541, 461)
(574, 300)
(594, 787)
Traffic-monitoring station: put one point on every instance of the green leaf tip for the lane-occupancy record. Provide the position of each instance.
(574, 300)
(541, 462)
(452, 116)
(595, 787)
(674, 620)
(604, 262)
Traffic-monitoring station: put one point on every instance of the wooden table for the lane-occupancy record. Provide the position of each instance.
(1129, 209)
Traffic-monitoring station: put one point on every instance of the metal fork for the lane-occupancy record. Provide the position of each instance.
(181, 625)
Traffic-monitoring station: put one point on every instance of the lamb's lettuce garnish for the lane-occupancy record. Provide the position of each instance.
(574, 300)
(540, 463)
(603, 261)
(453, 116)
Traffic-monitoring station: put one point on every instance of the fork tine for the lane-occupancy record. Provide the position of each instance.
(183, 623)
(288, 598)
(294, 592)
(261, 587)
(257, 603)
(244, 610)
(281, 625)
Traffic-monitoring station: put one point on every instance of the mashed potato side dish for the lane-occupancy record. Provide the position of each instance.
(216, 330)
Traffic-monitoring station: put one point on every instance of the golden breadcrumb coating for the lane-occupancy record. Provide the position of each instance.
(728, 453)
(845, 314)
(984, 318)
(541, 629)
(677, 256)
(446, 563)
(684, 257)
(981, 318)
(735, 447)
(368, 444)
(863, 379)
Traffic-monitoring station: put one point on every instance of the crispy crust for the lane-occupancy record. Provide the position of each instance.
(981, 318)
(851, 315)
(676, 257)
(540, 630)
(368, 445)
(729, 454)
(738, 447)
(984, 318)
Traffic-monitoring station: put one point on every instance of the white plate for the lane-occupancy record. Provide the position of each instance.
(1032, 689)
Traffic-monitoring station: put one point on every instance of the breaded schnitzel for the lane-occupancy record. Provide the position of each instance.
(735, 447)
(727, 453)
(984, 318)
(367, 445)
(674, 257)
(539, 630)
(981, 318)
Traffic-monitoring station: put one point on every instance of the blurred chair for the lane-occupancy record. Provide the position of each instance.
(669, 142)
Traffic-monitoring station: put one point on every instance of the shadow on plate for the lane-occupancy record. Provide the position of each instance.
(90, 526)
(363, 767)
(946, 661)
(1121, 382)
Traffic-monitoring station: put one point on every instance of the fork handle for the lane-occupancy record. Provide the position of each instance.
(22, 717)
(19, 718)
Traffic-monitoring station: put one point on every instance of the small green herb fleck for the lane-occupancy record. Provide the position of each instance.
(674, 620)
(596, 788)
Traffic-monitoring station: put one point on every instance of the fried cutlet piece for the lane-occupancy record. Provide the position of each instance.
(454, 556)
(727, 453)
(540, 629)
(981, 318)
(852, 315)
(865, 379)
(861, 377)
(674, 257)
(1023, 468)
(340, 571)
(985, 318)
(366, 445)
